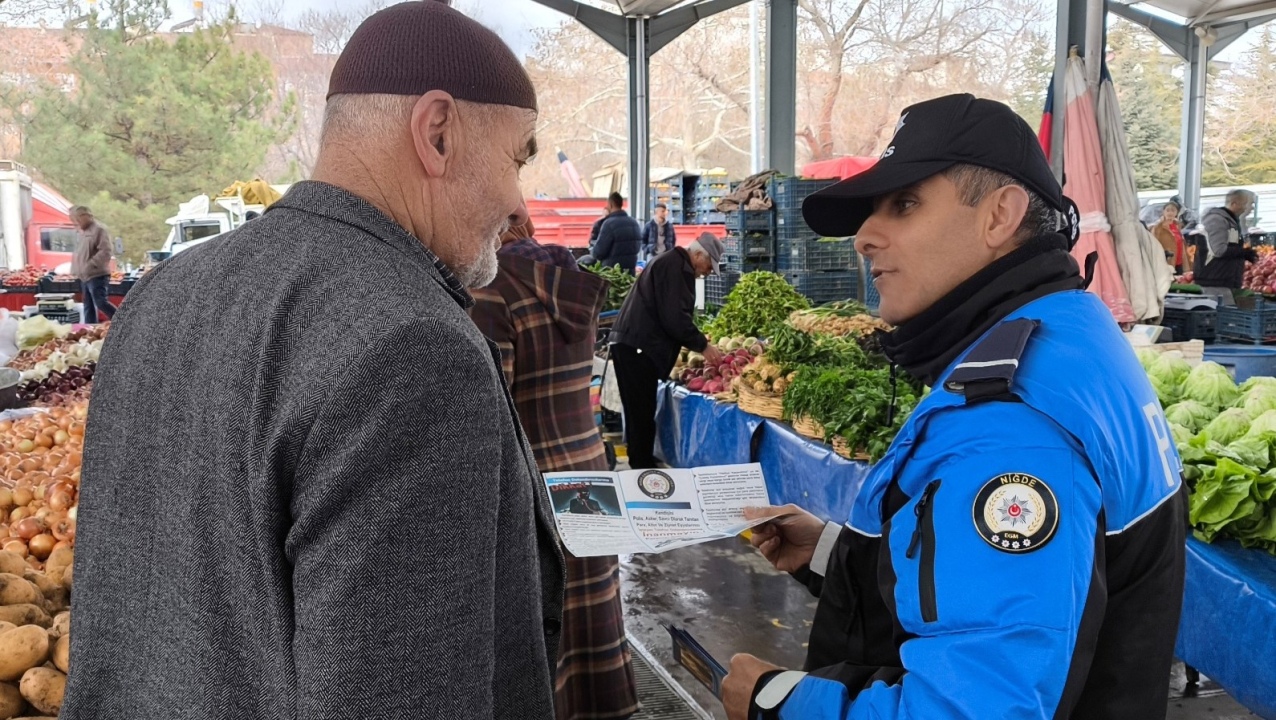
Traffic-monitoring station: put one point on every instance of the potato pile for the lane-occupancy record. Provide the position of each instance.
(824, 322)
(40, 459)
(35, 634)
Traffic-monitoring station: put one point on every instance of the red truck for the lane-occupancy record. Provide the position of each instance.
(35, 222)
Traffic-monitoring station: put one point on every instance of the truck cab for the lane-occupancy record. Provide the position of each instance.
(35, 222)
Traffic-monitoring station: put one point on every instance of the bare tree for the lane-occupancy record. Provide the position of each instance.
(34, 12)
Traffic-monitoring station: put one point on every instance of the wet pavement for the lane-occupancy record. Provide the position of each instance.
(732, 601)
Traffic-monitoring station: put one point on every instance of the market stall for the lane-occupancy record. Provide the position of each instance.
(769, 401)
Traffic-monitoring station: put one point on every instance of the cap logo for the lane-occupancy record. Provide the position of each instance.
(900, 125)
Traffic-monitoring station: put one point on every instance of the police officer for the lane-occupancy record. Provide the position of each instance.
(1018, 552)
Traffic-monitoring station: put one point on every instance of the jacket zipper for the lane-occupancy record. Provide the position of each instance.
(924, 537)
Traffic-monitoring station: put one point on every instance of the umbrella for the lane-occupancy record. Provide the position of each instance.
(1083, 182)
(1147, 275)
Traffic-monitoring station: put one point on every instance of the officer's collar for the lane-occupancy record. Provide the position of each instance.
(926, 345)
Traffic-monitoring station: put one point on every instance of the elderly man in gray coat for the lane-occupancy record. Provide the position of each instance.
(317, 503)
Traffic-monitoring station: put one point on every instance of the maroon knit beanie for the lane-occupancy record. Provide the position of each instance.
(415, 47)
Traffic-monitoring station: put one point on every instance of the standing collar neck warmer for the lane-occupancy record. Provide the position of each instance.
(926, 345)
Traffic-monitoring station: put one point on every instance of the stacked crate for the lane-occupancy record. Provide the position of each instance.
(822, 269)
(750, 241)
(710, 188)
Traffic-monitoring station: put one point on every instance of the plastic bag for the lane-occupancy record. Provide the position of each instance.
(37, 330)
(8, 337)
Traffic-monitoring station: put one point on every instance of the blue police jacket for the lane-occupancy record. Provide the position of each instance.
(1025, 532)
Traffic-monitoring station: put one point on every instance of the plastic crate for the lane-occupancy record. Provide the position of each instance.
(69, 317)
(716, 287)
(736, 264)
(1192, 324)
(121, 288)
(1255, 326)
(822, 287)
(748, 222)
(749, 246)
(789, 192)
(48, 285)
(713, 218)
(814, 254)
(870, 297)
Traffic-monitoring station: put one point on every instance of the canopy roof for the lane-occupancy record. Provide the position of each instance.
(1204, 12)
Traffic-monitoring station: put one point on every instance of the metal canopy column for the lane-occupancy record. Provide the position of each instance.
(781, 86)
(1070, 32)
(1192, 140)
(639, 118)
(638, 38)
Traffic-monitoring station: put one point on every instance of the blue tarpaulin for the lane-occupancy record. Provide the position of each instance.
(1228, 631)
(1229, 609)
(694, 431)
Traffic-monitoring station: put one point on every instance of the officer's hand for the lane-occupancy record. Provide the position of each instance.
(789, 540)
(737, 687)
(712, 355)
(1251, 255)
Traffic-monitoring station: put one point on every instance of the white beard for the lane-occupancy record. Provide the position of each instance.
(483, 270)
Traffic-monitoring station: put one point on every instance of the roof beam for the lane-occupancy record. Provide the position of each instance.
(607, 25)
(1176, 37)
(666, 27)
(1261, 9)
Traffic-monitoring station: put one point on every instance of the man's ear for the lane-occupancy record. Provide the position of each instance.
(435, 131)
(1003, 213)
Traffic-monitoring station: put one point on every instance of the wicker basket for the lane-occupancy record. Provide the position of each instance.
(841, 448)
(808, 428)
(767, 405)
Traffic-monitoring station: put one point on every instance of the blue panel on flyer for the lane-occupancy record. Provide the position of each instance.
(1228, 630)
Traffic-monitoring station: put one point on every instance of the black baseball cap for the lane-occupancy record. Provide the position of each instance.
(931, 137)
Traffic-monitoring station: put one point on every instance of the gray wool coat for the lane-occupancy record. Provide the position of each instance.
(305, 491)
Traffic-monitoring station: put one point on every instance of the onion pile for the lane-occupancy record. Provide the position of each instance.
(59, 388)
(40, 460)
(81, 343)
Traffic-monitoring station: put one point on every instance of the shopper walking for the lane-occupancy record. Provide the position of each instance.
(316, 502)
(1019, 550)
(1221, 252)
(542, 312)
(91, 264)
(655, 323)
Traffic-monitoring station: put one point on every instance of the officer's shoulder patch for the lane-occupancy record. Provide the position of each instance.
(1016, 513)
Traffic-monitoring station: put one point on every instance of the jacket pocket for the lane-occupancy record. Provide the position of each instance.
(923, 539)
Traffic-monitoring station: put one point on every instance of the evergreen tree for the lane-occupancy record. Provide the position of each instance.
(1151, 104)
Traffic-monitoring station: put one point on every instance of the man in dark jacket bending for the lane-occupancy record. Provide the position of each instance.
(278, 515)
(655, 323)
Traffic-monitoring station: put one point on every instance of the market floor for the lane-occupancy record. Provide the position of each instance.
(732, 601)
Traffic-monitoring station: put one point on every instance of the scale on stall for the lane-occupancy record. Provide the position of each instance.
(1190, 301)
(58, 307)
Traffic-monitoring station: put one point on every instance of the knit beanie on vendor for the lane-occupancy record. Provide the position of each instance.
(415, 47)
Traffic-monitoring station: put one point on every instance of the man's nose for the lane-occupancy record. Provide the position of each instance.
(521, 215)
(869, 238)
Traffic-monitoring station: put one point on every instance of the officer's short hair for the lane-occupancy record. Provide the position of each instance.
(975, 182)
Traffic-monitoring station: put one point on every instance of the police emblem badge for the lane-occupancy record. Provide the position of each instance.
(1016, 513)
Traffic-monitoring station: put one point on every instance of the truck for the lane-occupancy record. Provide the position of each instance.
(35, 222)
(201, 218)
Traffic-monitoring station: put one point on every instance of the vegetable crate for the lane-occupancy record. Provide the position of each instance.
(748, 253)
(750, 222)
(815, 254)
(822, 287)
(1255, 326)
(871, 299)
(790, 225)
(1192, 324)
(70, 317)
(789, 192)
(49, 285)
(121, 288)
(716, 287)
